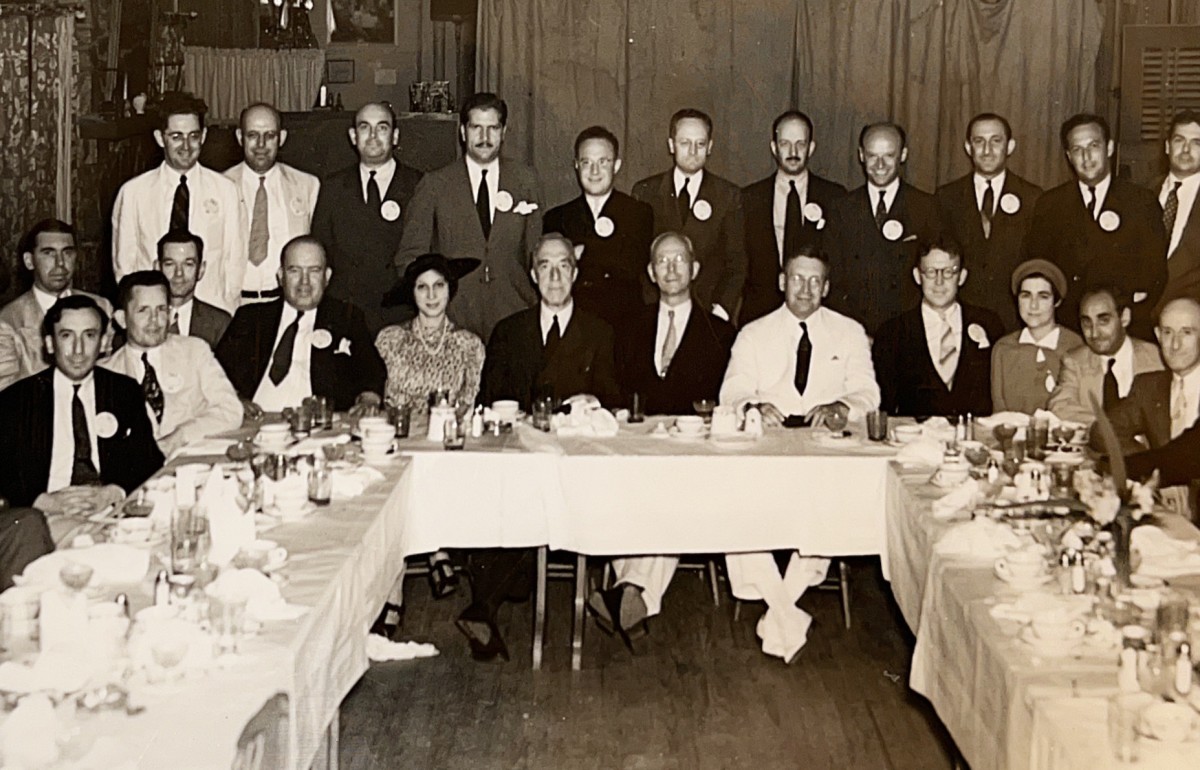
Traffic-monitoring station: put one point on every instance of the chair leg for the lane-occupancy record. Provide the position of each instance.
(844, 582)
(580, 598)
(607, 578)
(737, 609)
(713, 582)
(539, 611)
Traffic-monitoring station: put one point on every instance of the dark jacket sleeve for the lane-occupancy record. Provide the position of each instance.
(369, 368)
(604, 374)
(233, 353)
(885, 354)
(142, 458)
(1178, 462)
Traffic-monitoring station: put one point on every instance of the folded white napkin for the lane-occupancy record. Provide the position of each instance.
(229, 527)
(962, 498)
(112, 564)
(1162, 555)
(263, 600)
(381, 649)
(352, 483)
(29, 737)
(938, 429)
(979, 539)
(593, 421)
(924, 452)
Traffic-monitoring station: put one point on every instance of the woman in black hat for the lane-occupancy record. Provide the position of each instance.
(430, 353)
(1026, 363)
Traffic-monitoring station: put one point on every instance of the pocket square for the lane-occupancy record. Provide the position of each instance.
(343, 347)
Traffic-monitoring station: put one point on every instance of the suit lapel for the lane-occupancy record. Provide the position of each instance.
(666, 191)
(264, 340)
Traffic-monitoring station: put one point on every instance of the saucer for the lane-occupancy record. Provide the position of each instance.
(1050, 647)
(737, 438)
(678, 435)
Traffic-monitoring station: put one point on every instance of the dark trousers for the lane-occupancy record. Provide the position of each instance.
(24, 536)
(498, 575)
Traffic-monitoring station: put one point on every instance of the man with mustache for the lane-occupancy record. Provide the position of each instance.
(48, 254)
(481, 207)
(360, 215)
(277, 200)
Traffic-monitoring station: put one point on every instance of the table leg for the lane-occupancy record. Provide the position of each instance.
(580, 598)
(539, 608)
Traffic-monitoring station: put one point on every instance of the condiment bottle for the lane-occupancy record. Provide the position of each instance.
(477, 422)
(1183, 669)
(162, 589)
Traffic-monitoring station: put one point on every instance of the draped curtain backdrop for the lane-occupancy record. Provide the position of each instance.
(228, 79)
(928, 64)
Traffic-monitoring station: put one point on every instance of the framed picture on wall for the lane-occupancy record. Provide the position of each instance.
(364, 21)
(339, 71)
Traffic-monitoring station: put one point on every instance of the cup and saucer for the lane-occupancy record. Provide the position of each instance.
(266, 556)
(291, 501)
(1023, 569)
(274, 437)
(689, 428)
(1054, 632)
(131, 531)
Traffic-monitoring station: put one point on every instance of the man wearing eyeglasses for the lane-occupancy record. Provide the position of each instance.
(183, 195)
(936, 359)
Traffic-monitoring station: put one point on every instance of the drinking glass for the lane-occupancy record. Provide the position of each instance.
(452, 435)
(704, 407)
(320, 483)
(877, 425)
(1039, 437)
(1123, 715)
(227, 619)
(189, 531)
(401, 417)
(637, 411)
(1172, 616)
(543, 410)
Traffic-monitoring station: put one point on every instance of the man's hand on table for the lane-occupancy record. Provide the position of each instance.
(772, 417)
(365, 401)
(832, 416)
(79, 501)
(251, 412)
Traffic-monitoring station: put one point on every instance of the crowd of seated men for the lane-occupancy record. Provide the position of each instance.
(242, 293)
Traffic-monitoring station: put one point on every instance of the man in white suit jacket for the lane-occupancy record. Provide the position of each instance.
(288, 198)
(182, 194)
(800, 361)
(187, 393)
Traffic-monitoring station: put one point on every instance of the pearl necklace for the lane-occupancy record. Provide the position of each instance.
(419, 333)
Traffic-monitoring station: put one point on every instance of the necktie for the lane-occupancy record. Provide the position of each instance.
(1110, 392)
(880, 210)
(792, 222)
(483, 205)
(174, 327)
(1092, 201)
(987, 210)
(685, 201)
(83, 471)
(1171, 209)
(179, 208)
(669, 344)
(1179, 407)
(947, 347)
(151, 389)
(374, 199)
(803, 359)
(259, 232)
(553, 337)
(281, 362)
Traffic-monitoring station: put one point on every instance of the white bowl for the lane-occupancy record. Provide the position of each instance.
(689, 424)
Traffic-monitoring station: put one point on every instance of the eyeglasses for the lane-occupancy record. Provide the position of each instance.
(945, 273)
(179, 136)
(674, 259)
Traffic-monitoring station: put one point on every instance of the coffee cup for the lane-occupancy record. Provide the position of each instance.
(375, 432)
(690, 425)
(1020, 565)
(906, 433)
(1057, 625)
(134, 530)
(506, 410)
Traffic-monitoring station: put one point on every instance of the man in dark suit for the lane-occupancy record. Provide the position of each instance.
(1181, 215)
(1098, 228)
(480, 207)
(359, 215)
(784, 212)
(77, 438)
(936, 358)
(876, 230)
(181, 260)
(307, 343)
(554, 348)
(614, 229)
(691, 200)
(987, 213)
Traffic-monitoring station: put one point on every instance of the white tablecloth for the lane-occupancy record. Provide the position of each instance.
(1072, 734)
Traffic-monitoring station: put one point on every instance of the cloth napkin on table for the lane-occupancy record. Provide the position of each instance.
(229, 527)
(924, 452)
(979, 539)
(962, 498)
(352, 483)
(380, 649)
(263, 600)
(595, 421)
(112, 564)
(1162, 555)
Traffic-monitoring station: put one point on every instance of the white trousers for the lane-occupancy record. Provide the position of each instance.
(652, 574)
(753, 576)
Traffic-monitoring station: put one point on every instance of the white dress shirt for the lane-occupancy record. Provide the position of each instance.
(62, 451)
(1187, 198)
(548, 315)
(182, 316)
(683, 311)
(981, 185)
(597, 202)
(46, 300)
(779, 205)
(1123, 369)
(263, 277)
(475, 173)
(297, 385)
(383, 178)
(693, 183)
(1190, 383)
(1101, 194)
(889, 194)
(935, 325)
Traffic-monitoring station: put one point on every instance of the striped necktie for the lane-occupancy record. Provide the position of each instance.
(947, 347)
(1179, 407)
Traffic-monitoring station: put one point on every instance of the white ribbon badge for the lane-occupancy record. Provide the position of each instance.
(702, 210)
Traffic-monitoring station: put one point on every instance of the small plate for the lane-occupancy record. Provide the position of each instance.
(676, 434)
(1053, 648)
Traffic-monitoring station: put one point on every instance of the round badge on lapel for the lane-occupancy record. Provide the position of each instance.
(321, 339)
(1050, 383)
(1109, 221)
(892, 230)
(604, 227)
(702, 210)
(106, 424)
(813, 212)
(504, 201)
(1009, 203)
(390, 210)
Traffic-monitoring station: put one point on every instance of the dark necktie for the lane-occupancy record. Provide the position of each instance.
(281, 362)
(179, 209)
(1111, 394)
(483, 205)
(987, 210)
(83, 471)
(174, 327)
(1171, 209)
(792, 222)
(803, 359)
(1091, 201)
(880, 210)
(684, 201)
(553, 337)
(151, 389)
(374, 199)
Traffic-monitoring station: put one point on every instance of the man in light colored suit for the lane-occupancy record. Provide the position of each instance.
(183, 195)
(181, 260)
(1181, 216)
(1106, 365)
(12, 355)
(187, 393)
(483, 207)
(802, 360)
(277, 200)
(48, 253)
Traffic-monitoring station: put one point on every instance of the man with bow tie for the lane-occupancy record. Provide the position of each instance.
(187, 393)
(183, 195)
(306, 343)
(800, 364)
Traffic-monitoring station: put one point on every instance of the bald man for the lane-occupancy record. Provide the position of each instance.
(277, 200)
(876, 230)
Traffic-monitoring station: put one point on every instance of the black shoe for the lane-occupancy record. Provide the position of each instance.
(484, 638)
(389, 622)
(443, 580)
(599, 608)
(627, 612)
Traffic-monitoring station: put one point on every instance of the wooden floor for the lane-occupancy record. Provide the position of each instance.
(702, 696)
